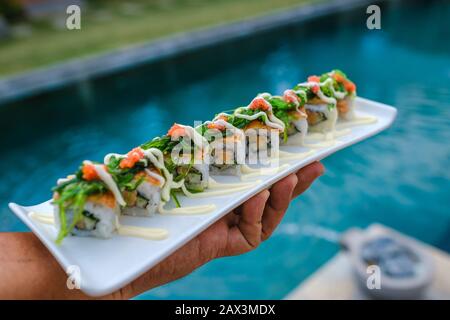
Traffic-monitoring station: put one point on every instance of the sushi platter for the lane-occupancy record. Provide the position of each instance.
(116, 219)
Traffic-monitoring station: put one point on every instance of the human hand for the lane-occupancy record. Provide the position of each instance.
(240, 231)
(28, 270)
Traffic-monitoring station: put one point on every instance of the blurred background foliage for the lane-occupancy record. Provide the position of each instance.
(33, 32)
(12, 10)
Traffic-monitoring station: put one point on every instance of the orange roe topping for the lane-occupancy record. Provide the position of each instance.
(339, 78)
(214, 125)
(290, 97)
(350, 86)
(89, 172)
(259, 103)
(176, 131)
(132, 157)
(313, 79)
(315, 89)
(223, 117)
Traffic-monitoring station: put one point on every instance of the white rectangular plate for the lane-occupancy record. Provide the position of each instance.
(107, 265)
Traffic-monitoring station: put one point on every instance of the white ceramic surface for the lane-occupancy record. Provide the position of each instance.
(107, 265)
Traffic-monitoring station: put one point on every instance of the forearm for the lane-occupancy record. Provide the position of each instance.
(181, 263)
(29, 271)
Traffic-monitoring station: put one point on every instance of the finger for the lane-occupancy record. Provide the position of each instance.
(280, 197)
(251, 218)
(232, 218)
(280, 193)
(246, 235)
(306, 177)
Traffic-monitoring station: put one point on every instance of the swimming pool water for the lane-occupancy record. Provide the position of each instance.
(400, 178)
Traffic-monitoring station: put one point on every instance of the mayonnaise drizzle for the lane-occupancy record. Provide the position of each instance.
(222, 114)
(156, 157)
(269, 118)
(41, 217)
(356, 122)
(133, 231)
(213, 184)
(107, 158)
(224, 191)
(338, 94)
(158, 177)
(329, 136)
(192, 210)
(63, 180)
(291, 156)
(197, 138)
(246, 169)
(141, 232)
(320, 94)
(301, 92)
(109, 181)
(319, 145)
(250, 172)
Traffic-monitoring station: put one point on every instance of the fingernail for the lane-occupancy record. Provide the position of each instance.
(322, 169)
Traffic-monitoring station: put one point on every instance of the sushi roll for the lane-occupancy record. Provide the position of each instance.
(194, 164)
(98, 218)
(87, 203)
(186, 156)
(139, 179)
(147, 195)
(290, 108)
(344, 90)
(320, 106)
(227, 146)
(261, 127)
(195, 176)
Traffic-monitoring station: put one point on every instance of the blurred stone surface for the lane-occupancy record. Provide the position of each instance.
(335, 280)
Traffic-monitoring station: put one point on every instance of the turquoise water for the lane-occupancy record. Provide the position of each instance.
(400, 178)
